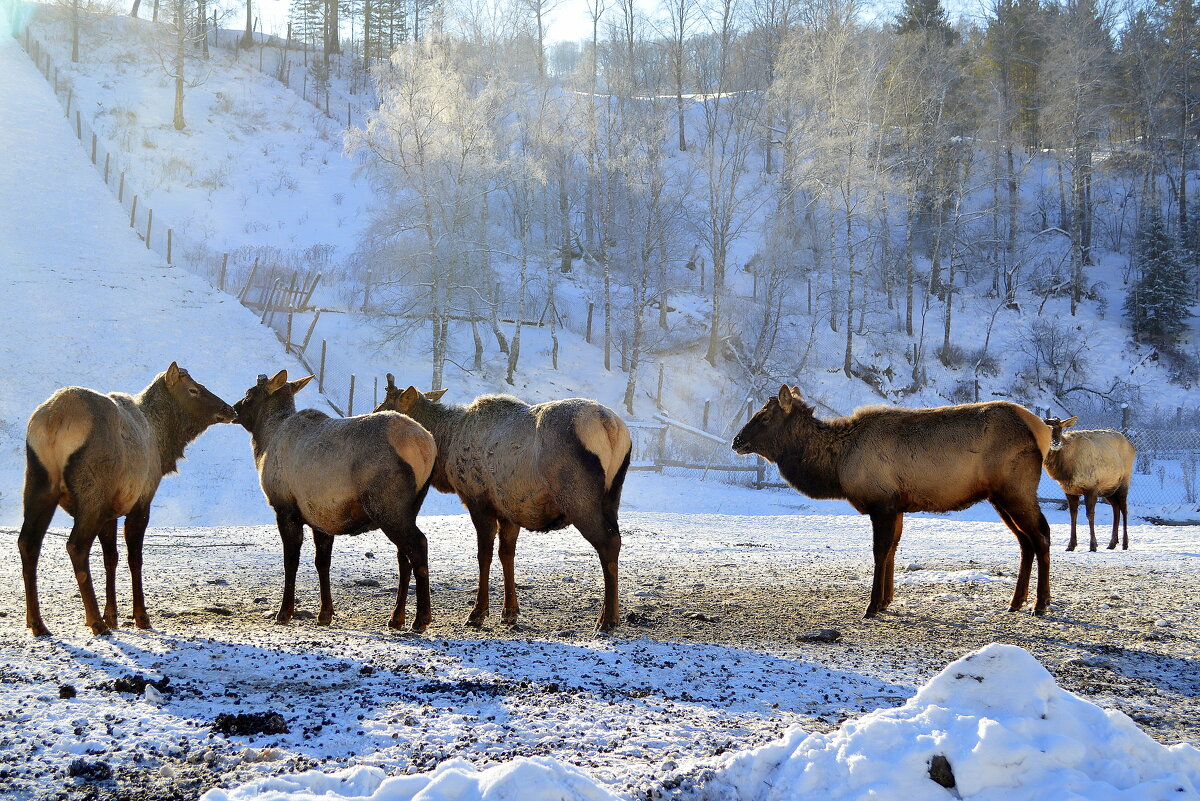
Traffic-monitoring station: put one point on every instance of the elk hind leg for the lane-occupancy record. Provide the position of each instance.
(79, 548)
(1027, 522)
(889, 584)
(108, 547)
(40, 503)
(1120, 505)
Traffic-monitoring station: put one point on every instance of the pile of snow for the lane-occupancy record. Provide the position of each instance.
(996, 717)
(537, 779)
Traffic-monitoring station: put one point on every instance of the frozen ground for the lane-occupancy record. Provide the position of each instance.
(707, 663)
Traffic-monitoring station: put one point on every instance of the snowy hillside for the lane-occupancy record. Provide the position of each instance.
(90, 306)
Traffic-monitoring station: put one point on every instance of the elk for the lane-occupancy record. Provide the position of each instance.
(887, 461)
(517, 466)
(1095, 464)
(340, 476)
(101, 457)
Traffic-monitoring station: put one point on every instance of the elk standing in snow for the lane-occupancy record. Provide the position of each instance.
(886, 462)
(516, 466)
(101, 457)
(1094, 464)
(340, 477)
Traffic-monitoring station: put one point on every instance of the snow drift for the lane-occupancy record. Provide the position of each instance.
(997, 716)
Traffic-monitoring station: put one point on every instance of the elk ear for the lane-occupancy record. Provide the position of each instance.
(172, 374)
(407, 399)
(391, 385)
(276, 383)
(785, 398)
(301, 383)
(436, 395)
(1070, 421)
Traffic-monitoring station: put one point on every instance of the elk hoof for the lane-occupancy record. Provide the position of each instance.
(110, 620)
(1040, 611)
(282, 620)
(396, 622)
(870, 613)
(38, 629)
(419, 626)
(142, 621)
(324, 619)
(100, 628)
(1070, 547)
(604, 626)
(1112, 546)
(509, 618)
(476, 619)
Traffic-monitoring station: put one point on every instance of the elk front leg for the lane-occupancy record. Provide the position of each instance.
(508, 552)
(889, 585)
(108, 548)
(324, 548)
(291, 534)
(485, 537)
(883, 529)
(1089, 502)
(1073, 507)
(135, 535)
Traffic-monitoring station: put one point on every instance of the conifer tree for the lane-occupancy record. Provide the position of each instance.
(1160, 304)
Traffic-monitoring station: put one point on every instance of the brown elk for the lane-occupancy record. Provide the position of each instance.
(886, 462)
(516, 466)
(1095, 464)
(340, 476)
(101, 457)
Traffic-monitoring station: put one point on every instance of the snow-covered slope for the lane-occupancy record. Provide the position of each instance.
(87, 304)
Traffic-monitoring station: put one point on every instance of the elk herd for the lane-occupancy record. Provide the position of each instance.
(513, 465)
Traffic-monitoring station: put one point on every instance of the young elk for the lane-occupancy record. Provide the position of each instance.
(516, 466)
(340, 476)
(886, 462)
(101, 457)
(1094, 464)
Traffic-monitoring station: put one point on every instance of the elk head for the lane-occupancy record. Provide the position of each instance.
(1056, 430)
(762, 432)
(194, 399)
(267, 393)
(398, 400)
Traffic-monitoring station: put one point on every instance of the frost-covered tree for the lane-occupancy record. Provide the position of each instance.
(436, 156)
(1160, 303)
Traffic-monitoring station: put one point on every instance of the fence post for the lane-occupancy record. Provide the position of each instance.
(350, 405)
(224, 265)
(287, 345)
(78, 126)
(149, 224)
(347, 113)
(121, 189)
(170, 231)
(662, 449)
(132, 211)
(658, 397)
(1124, 417)
(93, 147)
(321, 374)
(375, 398)
(106, 155)
(707, 406)
(591, 308)
(760, 472)
(70, 97)
(56, 81)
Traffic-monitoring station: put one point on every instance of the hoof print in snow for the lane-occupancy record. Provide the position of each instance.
(820, 635)
(250, 723)
(367, 582)
(135, 683)
(701, 617)
(66, 691)
(89, 771)
(940, 772)
(218, 610)
(639, 619)
(219, 583)
(303, 614)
